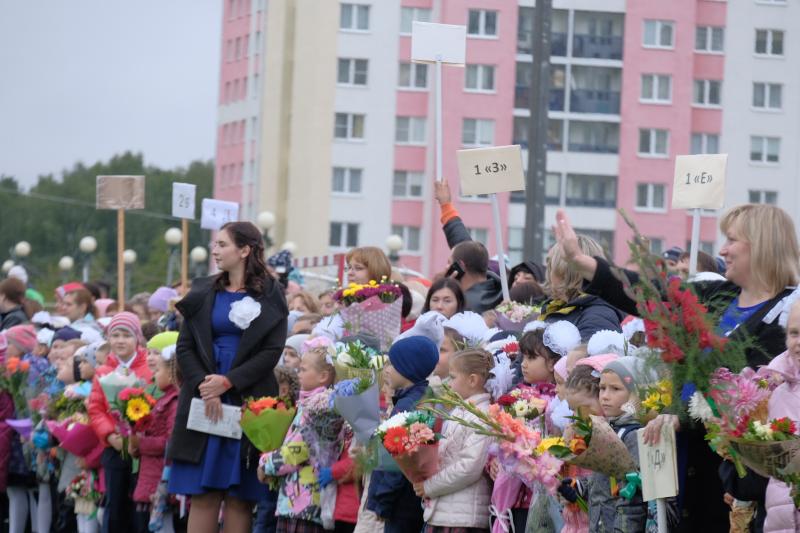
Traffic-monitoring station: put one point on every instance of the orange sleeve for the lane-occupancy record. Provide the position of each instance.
(449, 212)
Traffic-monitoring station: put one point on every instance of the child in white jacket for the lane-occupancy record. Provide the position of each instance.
(458, 495)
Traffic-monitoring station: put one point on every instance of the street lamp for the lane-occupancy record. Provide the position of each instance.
(8, 264)
(289, 246)
(198, 255)
(87, 245)
(22, 249)
(394, 243)
(129, 258)
(65, 264)
(265, 221)
(173, 237)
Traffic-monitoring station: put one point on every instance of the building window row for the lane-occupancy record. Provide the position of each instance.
(580, 190)
(236, 90)
(411, 235)
(234, 132)
(581, 136)
(594, 34)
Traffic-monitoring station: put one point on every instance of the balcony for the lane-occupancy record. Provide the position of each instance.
(594, 101)
(555, 100)
(593, 148)
(597, 47)
(558, 43)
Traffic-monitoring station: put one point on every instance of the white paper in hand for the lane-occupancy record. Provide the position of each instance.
(217, 213)
(183, 195)
(658, 465)
(228, 426)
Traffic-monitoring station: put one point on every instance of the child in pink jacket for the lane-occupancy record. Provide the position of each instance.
(782, 516)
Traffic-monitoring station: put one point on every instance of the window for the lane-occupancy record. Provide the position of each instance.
(227, 94)
(591, 191)
(413, 76)
(482, 23)
(346, 180)
(479, 78)
(763, 197)
(705, 143)
(552, 189)
(515, 245)
(354, 17)
(348, 126)
(410, 130)
(709, 39)
(769, 42)
(656, 245)
(407, 184)
(343, 235)
(765, 149)
(477, 132)
(659, 34)
(409, 14)
(244, 88)
(653, 142)
(238, 47)
(410, 236)
(352, 72)
(254, 128)
(650, 197)
(707, 93)
(592, 136)
(235, 92)
(656, 88)
(767, 95)
(229, 50)
(480, 235)
(255, 86)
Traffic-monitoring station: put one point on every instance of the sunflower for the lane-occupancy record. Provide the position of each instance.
(137, 409)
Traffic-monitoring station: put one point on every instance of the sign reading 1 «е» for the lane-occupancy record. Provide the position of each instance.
(699, 181)
(490, 170)
(217, 213)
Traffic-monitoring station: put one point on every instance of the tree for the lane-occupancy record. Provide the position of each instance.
(56, 213)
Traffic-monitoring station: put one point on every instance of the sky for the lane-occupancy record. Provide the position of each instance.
(82, 80)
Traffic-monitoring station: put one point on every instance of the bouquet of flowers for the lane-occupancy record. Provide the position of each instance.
(131, 408)
(593, 444)
(513, 316)
(355, 360)
(410, 440)
(654, 399)
(374, 308)
(83, 491)
(74, 434)
(63, 406)
(523, 403)
(266, 421)
(357, 400)
(14, 379)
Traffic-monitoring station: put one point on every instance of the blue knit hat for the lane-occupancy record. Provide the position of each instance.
(66, 334)
(414, 357)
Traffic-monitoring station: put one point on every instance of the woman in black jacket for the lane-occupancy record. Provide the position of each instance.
(232, 336)
(762, 261)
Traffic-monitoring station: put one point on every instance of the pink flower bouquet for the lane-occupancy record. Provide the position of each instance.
(75, 435)
(372, 308)
(513, 316)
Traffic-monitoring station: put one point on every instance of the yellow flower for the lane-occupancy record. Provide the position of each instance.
(137, 409)
(652, 401)
(545, 444)
(373, 283)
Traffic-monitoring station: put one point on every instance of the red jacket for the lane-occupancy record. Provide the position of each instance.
(154, 443)
(347, 502)
(6, 434)
(99, 415)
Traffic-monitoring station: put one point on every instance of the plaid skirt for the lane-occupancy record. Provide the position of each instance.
(292, 525)
(445, 529)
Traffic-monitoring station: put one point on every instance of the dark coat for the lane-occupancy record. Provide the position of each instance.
(590, 314)
(391, 496)
(13, 317)
(251, 372)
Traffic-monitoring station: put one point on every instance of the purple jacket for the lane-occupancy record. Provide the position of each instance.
(6, 434)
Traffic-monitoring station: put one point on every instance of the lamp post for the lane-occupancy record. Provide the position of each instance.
(65, 265)
(199, 256)
(394, 243)
(173, 237)
(87, 245)
(265, 221)
(22, 250)
(129, 258)
(7, 265)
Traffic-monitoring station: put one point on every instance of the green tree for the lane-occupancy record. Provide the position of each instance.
(56, 213)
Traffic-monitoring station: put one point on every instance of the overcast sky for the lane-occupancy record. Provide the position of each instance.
(82, 80)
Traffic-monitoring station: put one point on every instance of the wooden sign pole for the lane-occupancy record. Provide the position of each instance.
(501, 259)
(121, 259)
(184, 256)
(695, 243)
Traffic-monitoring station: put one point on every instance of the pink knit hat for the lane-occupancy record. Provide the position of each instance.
(101, 304)
(23, 337)
(598, 362)
(128, 321)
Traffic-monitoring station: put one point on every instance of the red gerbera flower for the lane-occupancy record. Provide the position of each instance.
(506, 400)
(395, 439)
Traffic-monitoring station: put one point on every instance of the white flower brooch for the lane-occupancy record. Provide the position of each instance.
(244, 311)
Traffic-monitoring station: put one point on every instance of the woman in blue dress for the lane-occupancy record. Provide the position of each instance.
(232, 336)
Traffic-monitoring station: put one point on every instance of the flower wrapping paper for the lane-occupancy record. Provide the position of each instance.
(606, 452)
(375, 317)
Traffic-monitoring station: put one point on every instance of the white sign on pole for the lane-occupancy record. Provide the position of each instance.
(489, 170)
(659, 466)
(699, 181)
(216, 213)
(432, 42)
(183, 200)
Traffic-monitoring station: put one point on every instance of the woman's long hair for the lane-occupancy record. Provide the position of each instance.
(256, 277)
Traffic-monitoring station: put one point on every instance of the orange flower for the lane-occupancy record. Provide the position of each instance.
(395, 440)
(262, 404)
(12, 364)
(24, 366)
(577, 445)
(150, 400)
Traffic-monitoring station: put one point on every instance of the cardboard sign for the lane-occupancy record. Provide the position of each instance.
(699, 181)
(183, 200)
(488, 170)
(120, 192)
(658, 465)
(432, 42)
(217, 213)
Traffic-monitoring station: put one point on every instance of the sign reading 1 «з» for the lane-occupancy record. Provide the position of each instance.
(490, 170)
(217, 213)
(699, 181)
(183, 195)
